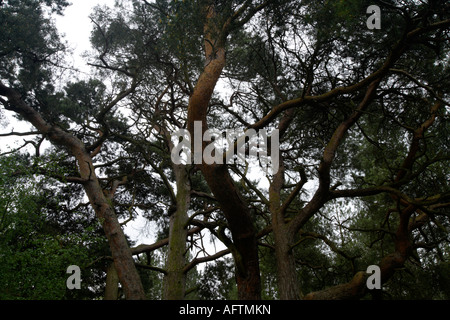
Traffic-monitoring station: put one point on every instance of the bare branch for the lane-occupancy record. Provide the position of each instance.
(20, 134)
(197, 261)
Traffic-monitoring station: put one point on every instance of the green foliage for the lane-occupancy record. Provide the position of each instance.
(217, 281)
(288, 50)
(84, 100)
(151, 280)
(36, 249)
(28, 42)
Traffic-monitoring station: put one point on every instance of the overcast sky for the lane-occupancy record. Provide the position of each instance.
(76, 26)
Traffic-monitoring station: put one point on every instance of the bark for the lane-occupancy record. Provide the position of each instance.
(175, 277)
(222, 186)
(103, 208)
(288, 286)
(240, 223)
(123, 260)
(112, 283)
(357, 287)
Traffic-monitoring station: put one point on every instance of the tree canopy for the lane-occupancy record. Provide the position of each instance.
(362, 118)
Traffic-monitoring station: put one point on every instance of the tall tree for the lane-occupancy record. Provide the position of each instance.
(362, 117)
(26, 84)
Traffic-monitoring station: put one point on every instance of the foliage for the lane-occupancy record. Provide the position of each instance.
(307, 65)
(36, 245)
(216, 282)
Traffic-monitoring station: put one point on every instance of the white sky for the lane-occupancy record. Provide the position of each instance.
(75, 26)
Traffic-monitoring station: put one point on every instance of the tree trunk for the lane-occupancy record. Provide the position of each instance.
(288, 286)
(240, 223)
(120, 250)
(175, 278)
(244, 246)
(238, 217)
(112, 283)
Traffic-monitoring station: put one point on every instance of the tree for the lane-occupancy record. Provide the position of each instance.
(362, 117)
(31, 95)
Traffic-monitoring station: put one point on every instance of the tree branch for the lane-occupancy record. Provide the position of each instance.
(19, 134)
(197, 261)
(396, 52)
(322, 192)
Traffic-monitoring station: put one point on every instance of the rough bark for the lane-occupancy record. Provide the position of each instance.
(175, 277)
(121, 253)
(240, 223)
(112, 283)
(288, 286)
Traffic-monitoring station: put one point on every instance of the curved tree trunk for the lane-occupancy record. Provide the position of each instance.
(240, 223)
(222, 186)
(120, 250)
